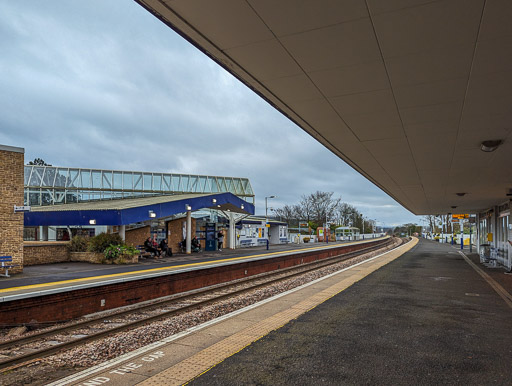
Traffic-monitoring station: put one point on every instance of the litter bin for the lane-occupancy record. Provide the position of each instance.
(485, 253)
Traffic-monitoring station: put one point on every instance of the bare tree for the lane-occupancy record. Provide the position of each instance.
(435, 222)
(287, 214)
(316, 207)
(39, 162)
(304, 209)
(346, 214)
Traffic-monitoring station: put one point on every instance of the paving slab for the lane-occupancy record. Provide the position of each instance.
(426, 318)
(210, 344)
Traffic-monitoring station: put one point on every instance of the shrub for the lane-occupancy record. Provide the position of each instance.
(113, 252)
(102, 241)
(78, 244)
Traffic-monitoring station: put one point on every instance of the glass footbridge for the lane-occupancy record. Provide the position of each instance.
(50, 185)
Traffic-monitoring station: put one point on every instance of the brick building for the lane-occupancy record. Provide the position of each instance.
(11, 195)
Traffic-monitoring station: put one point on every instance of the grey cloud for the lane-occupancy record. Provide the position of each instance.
(104, 84)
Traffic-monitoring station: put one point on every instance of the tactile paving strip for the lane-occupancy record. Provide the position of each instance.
(204, 360)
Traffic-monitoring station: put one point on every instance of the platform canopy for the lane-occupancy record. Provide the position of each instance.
(131, 211)
(403, 91)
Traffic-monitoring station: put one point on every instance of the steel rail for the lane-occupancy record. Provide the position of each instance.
(171, 299)
(312, 266)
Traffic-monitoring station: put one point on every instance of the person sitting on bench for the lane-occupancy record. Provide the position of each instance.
(164, 247)
(196, 247)
(148, 246)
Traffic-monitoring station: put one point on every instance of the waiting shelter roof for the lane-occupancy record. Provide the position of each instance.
(130, 211)
(259, 220)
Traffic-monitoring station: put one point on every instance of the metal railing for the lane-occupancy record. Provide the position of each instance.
(49, 185)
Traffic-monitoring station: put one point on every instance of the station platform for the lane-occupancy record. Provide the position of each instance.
(42, 279)
(423, 313)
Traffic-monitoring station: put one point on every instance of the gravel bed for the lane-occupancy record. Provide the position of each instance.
(93, 353)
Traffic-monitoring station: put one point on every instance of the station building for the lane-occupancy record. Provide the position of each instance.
(43, 207)
(494, 235)
(51, 191)
(65, 202)
(57, 195)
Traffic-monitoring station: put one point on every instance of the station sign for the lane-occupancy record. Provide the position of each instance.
(18, 209)
(459, 216)
(303, 224)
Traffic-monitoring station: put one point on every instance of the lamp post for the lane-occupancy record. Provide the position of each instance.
(326, 238)
(266, 217)
(266, 206)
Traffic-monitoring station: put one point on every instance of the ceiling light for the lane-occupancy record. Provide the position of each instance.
(454, 206)
(92, 222)
(214, 200)
(242, 206)
(152, 214)
(489, 146)
(460, 194)
(188, 207)
(509, 192)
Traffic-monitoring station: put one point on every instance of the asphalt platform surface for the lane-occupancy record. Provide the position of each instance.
(48, 273)
(427, 318)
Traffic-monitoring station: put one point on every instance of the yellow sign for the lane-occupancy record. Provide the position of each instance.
(460, 216)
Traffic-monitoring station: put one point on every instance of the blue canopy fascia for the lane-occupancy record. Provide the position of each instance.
(136, 214)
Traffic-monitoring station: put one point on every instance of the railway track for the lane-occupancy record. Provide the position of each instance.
(25, 350)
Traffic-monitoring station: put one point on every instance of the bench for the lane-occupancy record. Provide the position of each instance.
(262, 242)
(142, 252)
(246, 243)
(5, 260)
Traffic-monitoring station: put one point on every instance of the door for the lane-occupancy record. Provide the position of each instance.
(210, 243)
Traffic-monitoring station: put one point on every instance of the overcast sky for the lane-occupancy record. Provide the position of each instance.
(103, 84)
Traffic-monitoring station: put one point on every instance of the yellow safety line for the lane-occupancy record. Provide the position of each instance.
(174, 267)
(201, 362)
(495, 286)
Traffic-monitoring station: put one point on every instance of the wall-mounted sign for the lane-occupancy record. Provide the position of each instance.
(303, 224)
(18, 209)
(460, 216)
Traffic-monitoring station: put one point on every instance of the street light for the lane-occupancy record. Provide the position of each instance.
(266, 206)
(266, 219)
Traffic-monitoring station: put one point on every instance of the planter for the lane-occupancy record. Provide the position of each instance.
(99, 258)
(87, 257)
(125, 259)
